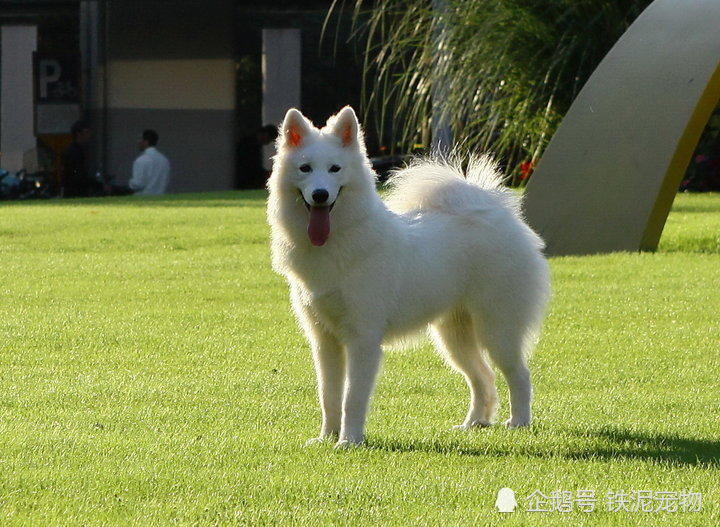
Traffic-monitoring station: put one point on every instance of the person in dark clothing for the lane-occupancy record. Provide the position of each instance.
(77, 180)
(252, 173)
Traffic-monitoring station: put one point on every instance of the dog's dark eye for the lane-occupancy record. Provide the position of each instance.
(335, 168)
(305, 168)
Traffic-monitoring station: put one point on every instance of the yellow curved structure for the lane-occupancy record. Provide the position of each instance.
(608, 178)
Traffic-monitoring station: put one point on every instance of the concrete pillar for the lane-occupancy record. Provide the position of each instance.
(16, 109)
(441, 133)
(92, 43)
(281, 71)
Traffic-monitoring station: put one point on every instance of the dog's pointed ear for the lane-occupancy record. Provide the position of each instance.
(345, 125)
(295, 129)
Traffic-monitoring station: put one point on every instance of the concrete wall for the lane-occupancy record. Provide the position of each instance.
(171, 68)
(16, 113)
(608, 178)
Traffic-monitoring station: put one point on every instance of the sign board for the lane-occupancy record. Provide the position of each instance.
(57, 93)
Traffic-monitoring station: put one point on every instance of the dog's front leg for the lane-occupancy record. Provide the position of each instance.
(363, 362)
(329, 358)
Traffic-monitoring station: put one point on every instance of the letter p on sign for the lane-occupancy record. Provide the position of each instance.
(49, 72)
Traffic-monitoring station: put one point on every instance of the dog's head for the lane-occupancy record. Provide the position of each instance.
(318, 165)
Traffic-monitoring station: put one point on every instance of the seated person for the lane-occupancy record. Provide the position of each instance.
(151, 170)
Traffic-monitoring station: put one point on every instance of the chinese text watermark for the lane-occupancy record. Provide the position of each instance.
(585, 500)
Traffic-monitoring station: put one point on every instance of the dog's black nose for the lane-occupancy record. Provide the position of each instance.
(320, 195)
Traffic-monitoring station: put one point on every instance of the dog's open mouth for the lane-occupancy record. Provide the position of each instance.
(319, 222)
(308, 206)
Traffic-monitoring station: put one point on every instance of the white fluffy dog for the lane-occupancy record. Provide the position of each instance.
(446, 250)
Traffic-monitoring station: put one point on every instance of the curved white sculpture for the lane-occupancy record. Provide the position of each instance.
(608, 178)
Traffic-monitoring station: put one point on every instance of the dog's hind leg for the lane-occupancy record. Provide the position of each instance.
(455, 339)
(506, 346)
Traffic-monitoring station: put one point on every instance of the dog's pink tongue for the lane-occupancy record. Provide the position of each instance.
(319, 226)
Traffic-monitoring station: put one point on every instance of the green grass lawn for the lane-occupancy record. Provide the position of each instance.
(152, 374)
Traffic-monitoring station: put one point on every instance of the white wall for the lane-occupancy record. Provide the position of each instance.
(16, 112)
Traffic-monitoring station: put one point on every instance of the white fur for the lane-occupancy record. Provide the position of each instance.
(447, 249)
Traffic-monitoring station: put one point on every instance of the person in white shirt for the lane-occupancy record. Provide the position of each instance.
(151, 170)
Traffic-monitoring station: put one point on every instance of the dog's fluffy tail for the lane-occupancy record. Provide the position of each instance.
(442, 185)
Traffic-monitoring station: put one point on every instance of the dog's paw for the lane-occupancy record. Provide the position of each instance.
(513, 423)
(477, 423)
(347, 444)
(317, 440)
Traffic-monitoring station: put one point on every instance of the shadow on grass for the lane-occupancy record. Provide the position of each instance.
(673, 449)
(603, 444)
